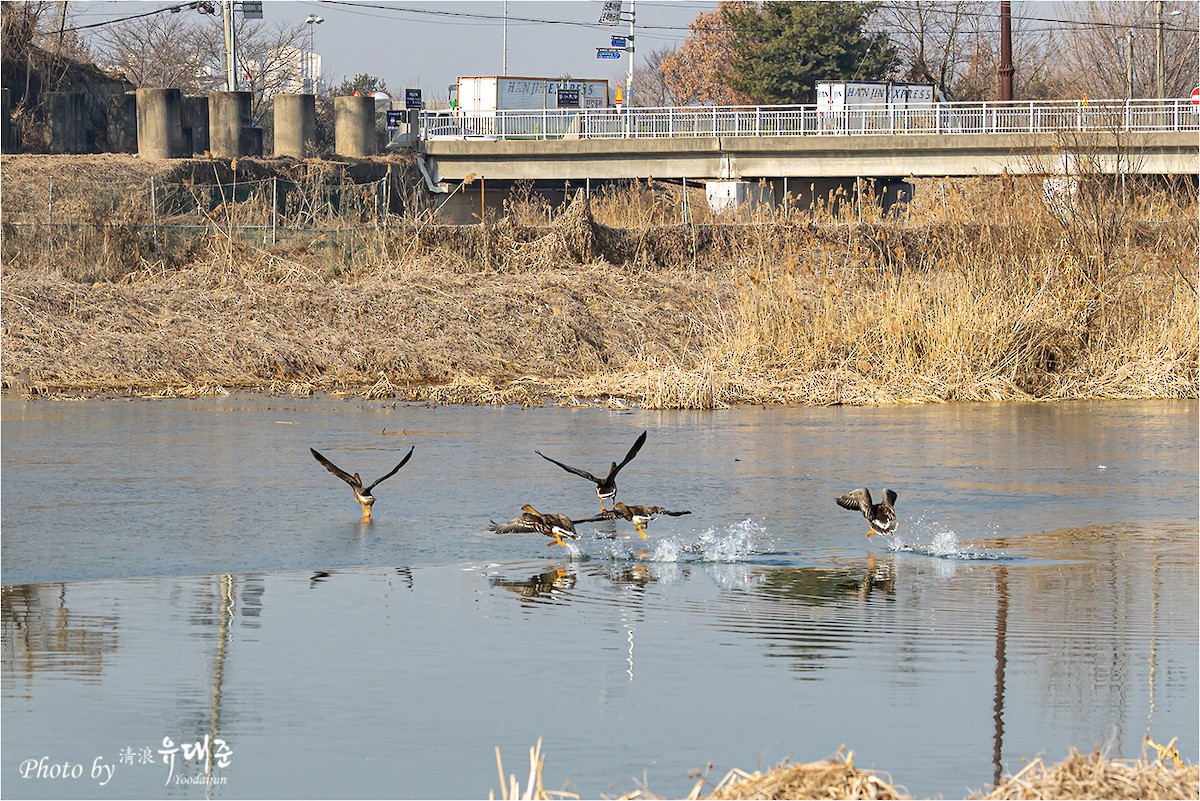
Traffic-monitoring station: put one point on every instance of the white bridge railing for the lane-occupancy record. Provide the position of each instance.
(1040, 116)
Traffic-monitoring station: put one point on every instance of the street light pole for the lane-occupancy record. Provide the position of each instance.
(310, 80)
(230, 46)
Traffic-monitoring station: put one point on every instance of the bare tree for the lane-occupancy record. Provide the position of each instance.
(1095, 53)
(186, 51)
(179, 51)
(934, 40)
(271, 60)
(649, 82)
(972, 71)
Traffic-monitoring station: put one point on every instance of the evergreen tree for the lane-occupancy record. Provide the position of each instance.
(782, 49)
(362, 83)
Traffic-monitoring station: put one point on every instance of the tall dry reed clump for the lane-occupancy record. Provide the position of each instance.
(1018, 304)
(240, 282)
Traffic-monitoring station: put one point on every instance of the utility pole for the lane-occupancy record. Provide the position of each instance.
(230, 46)
(1158, 49)
(1129, 65)
(504, 42)
(629, 50)
(1006, 65)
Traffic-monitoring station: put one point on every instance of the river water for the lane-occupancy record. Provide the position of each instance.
(183, 572)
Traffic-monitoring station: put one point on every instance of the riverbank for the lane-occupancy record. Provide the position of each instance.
(994, 299)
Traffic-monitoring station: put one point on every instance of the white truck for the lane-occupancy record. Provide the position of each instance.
(487, 94)
(874, 105)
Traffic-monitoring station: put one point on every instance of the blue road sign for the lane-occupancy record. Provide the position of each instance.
(605, 52)
(619, 41)
(412, 98)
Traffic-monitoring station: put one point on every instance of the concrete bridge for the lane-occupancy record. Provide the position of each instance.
(750, 143)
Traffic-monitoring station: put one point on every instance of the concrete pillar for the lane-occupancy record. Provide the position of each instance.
(228, 114)
(68, 132)
(195, 116)
(159, 133)
(120, 113)
(295, 124)
(354, 126)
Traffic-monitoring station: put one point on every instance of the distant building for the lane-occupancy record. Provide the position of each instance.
(305, 70)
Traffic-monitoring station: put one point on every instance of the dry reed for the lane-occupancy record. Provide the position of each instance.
(1076, 777)
(829, 778)
(1096, 777)
(611, 298)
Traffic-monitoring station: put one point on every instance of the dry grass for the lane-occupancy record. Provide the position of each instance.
(829, 778)
(1076, 777)
(611, 300)
(1095, 776)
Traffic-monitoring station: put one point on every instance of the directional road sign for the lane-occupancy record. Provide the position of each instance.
(611, 15)
(607, 52)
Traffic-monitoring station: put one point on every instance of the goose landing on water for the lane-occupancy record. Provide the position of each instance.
(881, 516)
(638, 515)
(531, 521)
(361, 494)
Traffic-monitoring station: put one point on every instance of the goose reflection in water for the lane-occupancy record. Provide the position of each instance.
(815, 586)
(540, 585)
(321, 576)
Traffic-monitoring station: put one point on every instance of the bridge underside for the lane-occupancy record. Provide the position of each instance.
(734, 158)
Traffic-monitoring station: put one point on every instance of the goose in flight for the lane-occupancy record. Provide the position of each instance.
(361, 494)
(606, 488)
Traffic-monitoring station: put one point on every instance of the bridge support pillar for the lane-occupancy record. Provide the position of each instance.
(159, 127)
(354, 126)
(295, 124)
(229, 129)
(195, 115)
(121, 113)
(68, 131)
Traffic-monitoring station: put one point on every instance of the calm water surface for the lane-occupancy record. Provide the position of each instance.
(185, 570)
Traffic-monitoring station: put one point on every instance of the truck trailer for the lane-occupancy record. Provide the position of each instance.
(873, 105)
(491, 93)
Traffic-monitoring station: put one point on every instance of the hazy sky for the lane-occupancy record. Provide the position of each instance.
(429, 44)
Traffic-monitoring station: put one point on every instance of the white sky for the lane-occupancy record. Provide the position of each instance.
(416, 48)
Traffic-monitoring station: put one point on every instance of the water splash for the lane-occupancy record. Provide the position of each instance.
(736, 543)
(943, 545)
(575, 553)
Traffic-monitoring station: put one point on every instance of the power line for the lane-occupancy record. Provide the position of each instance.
(174, 8)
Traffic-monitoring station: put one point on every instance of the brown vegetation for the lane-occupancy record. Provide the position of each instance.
(1077, 777)
(971, 294)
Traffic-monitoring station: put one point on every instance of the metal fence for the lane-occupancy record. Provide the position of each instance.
(263, 210)
(1045, 116)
